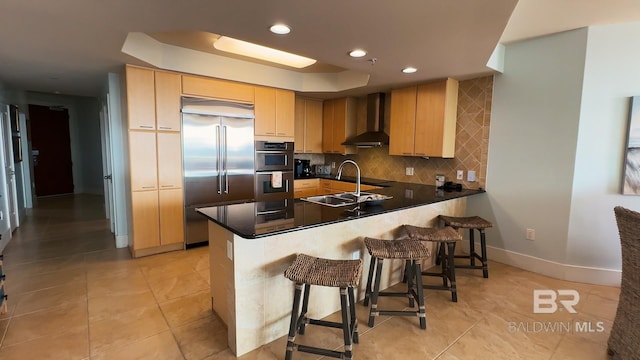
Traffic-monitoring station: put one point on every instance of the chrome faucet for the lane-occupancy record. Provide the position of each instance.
(357, 193)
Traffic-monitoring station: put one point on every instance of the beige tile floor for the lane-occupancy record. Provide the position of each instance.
(72, 295)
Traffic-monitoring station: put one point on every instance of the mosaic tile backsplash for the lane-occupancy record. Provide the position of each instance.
(472, 145)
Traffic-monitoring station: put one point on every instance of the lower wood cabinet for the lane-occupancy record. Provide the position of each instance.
(145, 220)
(157, 221)
(171, 216)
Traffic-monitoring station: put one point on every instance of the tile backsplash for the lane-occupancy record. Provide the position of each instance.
(472, 144)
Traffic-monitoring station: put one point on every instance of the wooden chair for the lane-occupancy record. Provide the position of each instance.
(623, 340)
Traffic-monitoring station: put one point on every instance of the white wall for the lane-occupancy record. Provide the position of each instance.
(534, 122)
(611, 78)
(558, 136)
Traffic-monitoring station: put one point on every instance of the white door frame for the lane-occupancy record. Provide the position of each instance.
(107, 170)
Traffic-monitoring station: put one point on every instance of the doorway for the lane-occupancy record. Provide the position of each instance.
(51, 150)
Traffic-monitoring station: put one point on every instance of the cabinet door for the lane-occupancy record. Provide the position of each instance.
(167, 90)
(313, 127)
(299, 133)
(327, 126)
(171, 216)
(265, 111)
(169, 160)
(284, 114)
(402, 127)
(339, 124)
(436, 111)
(140, 98)
(144, 213)
(142, 160)
(218, 89)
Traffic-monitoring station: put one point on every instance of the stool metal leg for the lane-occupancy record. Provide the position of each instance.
(373, 311)
(293, 327)
(451, 270)
(305, 306)
(367, 291)
(421, 307)
(354, 319)
(472, 248)
(483, 248)
(346, 323)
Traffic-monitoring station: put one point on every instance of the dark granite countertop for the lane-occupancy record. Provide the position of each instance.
(259, 219)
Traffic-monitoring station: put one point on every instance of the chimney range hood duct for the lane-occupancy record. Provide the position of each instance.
(375, 135)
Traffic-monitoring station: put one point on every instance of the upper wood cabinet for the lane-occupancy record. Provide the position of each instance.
(141, 102)
(338, 124)
(423, 119)
(217, 89)
(274, 111)
(153, 99)
(308, 126)
(167, 91)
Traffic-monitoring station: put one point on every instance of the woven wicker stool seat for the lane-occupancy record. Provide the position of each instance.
(344, 274)
(446, 239)
(411, 251)
(472, 223)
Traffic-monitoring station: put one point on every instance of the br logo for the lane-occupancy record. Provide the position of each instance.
(546, 301)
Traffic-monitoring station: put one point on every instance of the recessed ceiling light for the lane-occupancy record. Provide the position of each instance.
(409, 70)
(357, 53)
(260, 52)
(280, 29)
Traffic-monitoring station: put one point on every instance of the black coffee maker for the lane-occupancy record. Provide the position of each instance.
(306, 168)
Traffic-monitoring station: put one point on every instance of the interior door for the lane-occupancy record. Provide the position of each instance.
(10, 174)
(51, 146)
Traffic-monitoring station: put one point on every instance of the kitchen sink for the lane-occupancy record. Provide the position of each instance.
(348, 198)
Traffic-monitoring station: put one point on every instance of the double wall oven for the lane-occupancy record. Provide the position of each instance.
(274, 170)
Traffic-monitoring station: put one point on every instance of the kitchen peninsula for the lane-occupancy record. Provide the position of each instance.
(249, 251)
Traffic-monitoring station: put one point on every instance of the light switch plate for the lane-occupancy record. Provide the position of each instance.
(229, 250)
(459, 175)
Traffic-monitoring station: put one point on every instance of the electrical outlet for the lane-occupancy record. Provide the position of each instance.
(531, 234)
(459, 175)
(409, 171)
(471, 176)
(408, 193)
(355, 255)
(333, 165)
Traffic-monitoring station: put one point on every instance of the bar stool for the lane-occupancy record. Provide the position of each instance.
(344, 274)
(471, 223)
(411, 251)
(445, 239)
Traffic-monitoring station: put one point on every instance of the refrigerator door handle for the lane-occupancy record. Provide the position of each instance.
(218, 167)
(224, 159)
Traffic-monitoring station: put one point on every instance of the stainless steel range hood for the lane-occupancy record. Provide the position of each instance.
(375, 135)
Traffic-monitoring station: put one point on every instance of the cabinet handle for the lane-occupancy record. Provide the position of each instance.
(406, 153)
(281, 133)
(166, 186)
(148, 187)
(165, 127)
(270, 133)
(420, 153)
(308, 151)
(146, 126)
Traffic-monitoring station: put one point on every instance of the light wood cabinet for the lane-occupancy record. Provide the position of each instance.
(141, 102)
(423, 119)
(169, 160)
(171, 216)
(217, 89)
(338, 124)
(306, 187)
(308, 126)
(167, 99)
(155, 161)
(143, 162)
(274, 111)
(145, 220)
(328, 186)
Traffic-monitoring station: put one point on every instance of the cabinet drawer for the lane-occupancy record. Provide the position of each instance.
(305, 184)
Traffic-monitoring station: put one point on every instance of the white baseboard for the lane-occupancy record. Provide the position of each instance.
(584, 274)
(122, 241)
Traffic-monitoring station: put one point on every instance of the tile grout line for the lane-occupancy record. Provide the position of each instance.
(457, 339)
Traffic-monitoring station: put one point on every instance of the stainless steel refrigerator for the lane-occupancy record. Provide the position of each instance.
(218, 158)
